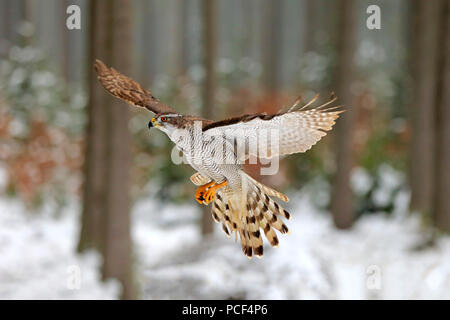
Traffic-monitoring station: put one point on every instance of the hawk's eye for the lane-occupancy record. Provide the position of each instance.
(163, 119)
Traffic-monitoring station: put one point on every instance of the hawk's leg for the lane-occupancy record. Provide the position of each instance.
(211, 192)
(200, 193)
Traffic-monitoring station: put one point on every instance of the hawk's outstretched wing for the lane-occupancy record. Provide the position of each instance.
(128, 90)
(283, 133)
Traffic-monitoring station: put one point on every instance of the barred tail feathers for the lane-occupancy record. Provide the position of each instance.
(248, 210)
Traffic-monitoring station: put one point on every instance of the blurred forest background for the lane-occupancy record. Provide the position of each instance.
(65, 143)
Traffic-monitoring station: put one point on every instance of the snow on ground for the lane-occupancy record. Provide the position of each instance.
(37, 259)
(375, 260)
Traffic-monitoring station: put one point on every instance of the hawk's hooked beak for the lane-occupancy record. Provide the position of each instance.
(153, 123)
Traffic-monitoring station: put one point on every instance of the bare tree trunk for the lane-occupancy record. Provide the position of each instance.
(209, 89)
(94, 169)
(342, 198)
(65, 42)
(183, 36)
(424, 69)
(25, 15)
(118, 247)
(442, 167)
(106, 217)
(5, 21)
(271, 44)
(249, 34)
(309, 25)
(148, 25)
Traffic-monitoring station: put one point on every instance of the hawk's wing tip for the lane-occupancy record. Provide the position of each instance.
(99, 66)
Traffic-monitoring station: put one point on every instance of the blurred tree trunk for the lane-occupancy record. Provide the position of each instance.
(183, 36)
(94, 169)
(442, 164)
(424, 70)
(148, 40)
(271, 44)
(24, 7)
(209, 16)
(65, 43)
(12, 15)
(248, 35)
(342, 198)
(5, 24)
(309, 25)
(106, 217)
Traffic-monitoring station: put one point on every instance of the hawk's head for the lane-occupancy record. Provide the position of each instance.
(169, 122)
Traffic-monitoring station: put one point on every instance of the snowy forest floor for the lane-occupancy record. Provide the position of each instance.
(374, 260)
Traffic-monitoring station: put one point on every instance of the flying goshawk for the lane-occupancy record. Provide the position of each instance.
(217, 149)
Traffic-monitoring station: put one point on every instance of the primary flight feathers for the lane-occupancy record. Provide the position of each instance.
(128, 90)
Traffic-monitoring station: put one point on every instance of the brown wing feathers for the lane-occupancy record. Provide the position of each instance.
(128, 90)
(234, 120)
(131, 92)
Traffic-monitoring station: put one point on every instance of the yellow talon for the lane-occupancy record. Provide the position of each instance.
(200, 193)
(210, 193)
